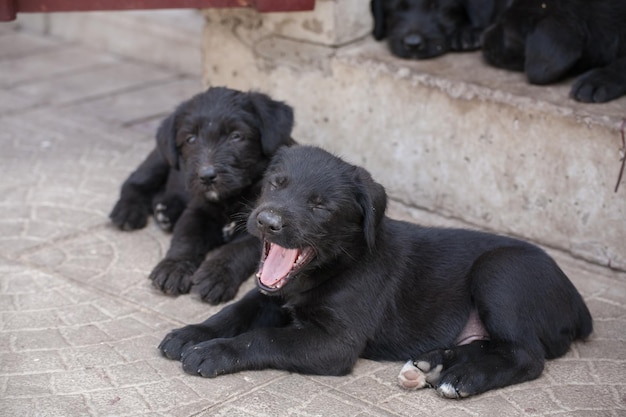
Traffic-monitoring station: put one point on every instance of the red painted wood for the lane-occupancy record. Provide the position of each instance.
(9, 8)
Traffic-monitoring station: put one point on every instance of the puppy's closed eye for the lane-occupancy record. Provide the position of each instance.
(317, 203)
(277, 182)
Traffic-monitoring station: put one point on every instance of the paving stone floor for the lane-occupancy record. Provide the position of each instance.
(79, 322)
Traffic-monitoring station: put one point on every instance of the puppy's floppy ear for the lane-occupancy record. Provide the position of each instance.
(380, 25)
(552, 49)
(166, 140)
(276, 120)
(372, 198)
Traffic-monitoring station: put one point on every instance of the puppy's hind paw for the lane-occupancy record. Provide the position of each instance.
(411, 377)
(419, 374)
(447, 390)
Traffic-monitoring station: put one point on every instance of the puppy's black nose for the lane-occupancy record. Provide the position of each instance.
(269, 221)
(207, 175)
(413, 41)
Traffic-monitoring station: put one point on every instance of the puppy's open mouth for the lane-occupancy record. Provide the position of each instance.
(279, 264)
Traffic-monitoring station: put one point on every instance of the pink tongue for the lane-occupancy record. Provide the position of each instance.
(277, 265)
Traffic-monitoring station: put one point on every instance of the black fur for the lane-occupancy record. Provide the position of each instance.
(201, 180)
(552, 39)
(429, 28)
(378, 288)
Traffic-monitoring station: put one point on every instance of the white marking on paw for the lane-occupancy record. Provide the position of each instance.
(162, 217)
(159, 214)
(423, 365)
(433, 376)
(447, 390)
(411, 377)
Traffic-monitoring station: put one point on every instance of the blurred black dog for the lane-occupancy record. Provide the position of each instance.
(429, 28)
(338, 280)
(552, 39)
(202, 179)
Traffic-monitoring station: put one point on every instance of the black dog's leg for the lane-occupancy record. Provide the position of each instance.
(472, 369)
(252, 311)
(195, 233)
(601, 84)
(306, 349)
(134, 206)
(226, 268)
(466, 38)
(530, 310)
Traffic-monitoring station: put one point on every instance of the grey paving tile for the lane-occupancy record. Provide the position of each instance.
(587, 398)
(18, 407)
(60, 60)
(121, 401)
(82, 85)
(154, 101)
(19, 44)
(49, 338)
(8, 28)
(12, 102)
(91, 356)
(533, 401)
(29, 362)
(93, 379)
(28, 386)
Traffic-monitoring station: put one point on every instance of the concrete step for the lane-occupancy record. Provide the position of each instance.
(448, 136)
(170, 38)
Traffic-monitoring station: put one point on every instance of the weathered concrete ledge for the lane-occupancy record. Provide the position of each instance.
(450, 135)
(169, 38)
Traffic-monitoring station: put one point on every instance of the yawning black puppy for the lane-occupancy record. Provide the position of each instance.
(429, 28)
(338, 280)
(552, 39)
(210, 157)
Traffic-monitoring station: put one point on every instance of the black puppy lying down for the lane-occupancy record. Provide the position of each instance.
(338, 280)
(201, 180)
(429, 28)
(552, 39)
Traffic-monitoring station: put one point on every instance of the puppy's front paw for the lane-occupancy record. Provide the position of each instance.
(466, 39)
(212, 358)
(162, 217)
(178, 340)
(129, 214)
(215, 283)
(173, 276)
(599, 86)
